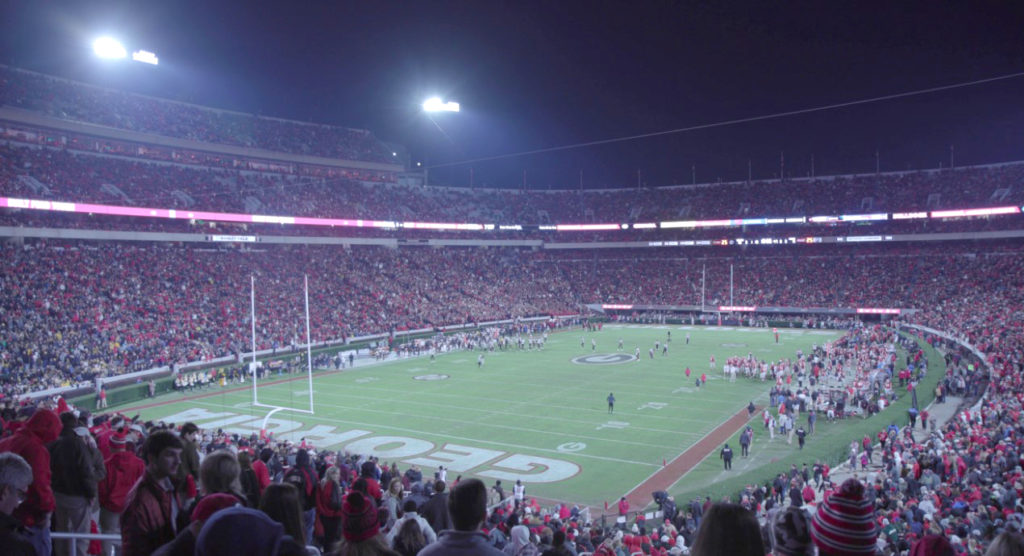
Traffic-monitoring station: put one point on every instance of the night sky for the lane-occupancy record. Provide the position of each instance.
(534, 75)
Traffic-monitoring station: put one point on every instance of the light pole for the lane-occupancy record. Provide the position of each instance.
(431, 106)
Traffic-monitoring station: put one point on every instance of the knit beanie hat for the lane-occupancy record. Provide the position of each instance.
(358, 517)
(239, 530)
(118, 441)
(844, 524)
(792, 530)
(211, 504)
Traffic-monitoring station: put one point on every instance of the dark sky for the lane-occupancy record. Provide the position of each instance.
(532, 75)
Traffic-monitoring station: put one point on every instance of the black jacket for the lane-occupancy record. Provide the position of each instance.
(435, 511)
(13, 538)
(71, 465)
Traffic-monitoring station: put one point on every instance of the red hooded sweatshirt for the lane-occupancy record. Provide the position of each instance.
(30, 443)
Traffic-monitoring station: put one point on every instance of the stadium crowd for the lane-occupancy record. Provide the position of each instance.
(138, 177)
(73, 101)
(956, 487)
(71, 311)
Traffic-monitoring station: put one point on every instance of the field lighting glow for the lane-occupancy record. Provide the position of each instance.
(146, 57)
(109, 47)
(435, 104)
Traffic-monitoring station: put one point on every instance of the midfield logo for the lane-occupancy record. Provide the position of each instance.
(604, 359)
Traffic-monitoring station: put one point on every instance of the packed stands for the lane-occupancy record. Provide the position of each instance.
(71, 311)
(73, 101)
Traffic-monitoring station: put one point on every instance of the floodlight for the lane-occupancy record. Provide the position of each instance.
(435, 104)
(146, 57)
(107, 47)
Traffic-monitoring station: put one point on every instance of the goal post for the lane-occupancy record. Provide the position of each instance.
(254, 365)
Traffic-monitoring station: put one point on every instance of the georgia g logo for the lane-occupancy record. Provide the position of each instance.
(604, 359)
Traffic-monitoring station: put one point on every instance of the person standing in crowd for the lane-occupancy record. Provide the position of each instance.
(844, 523)
(409, 514)
(30, 442)
(360, 530)
(328, 505)
(519, 493)
(189, 453)
(185, 543)
(435, 510)
(745, 438)
(304, 478)
(468, 506)
(801, 436)
(148, 520)
(15, 479)
(124, 469)
(281, 503)
(74, 484)
(262, 470)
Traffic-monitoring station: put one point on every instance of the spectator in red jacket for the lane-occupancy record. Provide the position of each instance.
(124, 469)
(30, 442)
(148, 521)
(328, 506)
(260, 467)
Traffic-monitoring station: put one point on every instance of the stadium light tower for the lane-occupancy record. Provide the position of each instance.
(109, 47)
(435, 104)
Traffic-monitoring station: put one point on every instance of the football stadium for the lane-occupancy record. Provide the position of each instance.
(761, 322)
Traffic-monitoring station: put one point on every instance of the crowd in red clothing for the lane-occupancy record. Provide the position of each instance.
(74, 101)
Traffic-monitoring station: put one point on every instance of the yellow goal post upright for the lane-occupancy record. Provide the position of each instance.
(254, 365)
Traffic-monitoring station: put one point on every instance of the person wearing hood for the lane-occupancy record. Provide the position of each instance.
(519, 544)
(30, 442)
(417, 496)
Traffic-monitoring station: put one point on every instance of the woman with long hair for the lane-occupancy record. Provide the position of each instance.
(728, 529)
(409, 540)
(328, 506)
(281, 502)
(247, 480)
(392, 501)
(219, 473)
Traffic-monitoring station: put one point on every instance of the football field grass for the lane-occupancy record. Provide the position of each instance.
(535, 415)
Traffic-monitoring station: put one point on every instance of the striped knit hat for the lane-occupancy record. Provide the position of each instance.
(844, 524)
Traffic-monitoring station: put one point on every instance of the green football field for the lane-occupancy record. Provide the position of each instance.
(538, 416)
